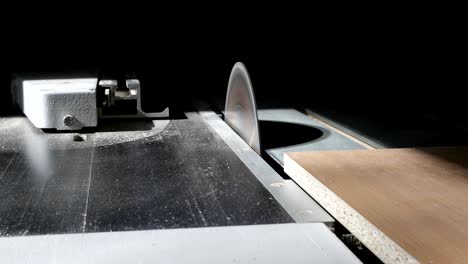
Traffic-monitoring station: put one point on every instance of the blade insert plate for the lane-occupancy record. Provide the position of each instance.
(241, 110)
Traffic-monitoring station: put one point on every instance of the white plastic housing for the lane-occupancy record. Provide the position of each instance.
(47, 102)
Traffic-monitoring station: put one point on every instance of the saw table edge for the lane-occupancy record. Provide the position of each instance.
(375, 240)
(301, 207)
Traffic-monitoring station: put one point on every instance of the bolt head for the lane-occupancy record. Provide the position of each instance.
(68, 120)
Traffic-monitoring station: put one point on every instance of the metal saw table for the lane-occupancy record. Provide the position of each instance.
(144, 176)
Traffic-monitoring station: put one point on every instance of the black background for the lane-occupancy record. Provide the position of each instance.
(344, 59)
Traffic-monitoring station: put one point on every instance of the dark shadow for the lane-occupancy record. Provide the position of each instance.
(281, 134)
(176, 113)
(356, 246)
(396, 129)
(451, 154)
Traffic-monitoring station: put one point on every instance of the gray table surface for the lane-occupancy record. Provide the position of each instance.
(280, 243)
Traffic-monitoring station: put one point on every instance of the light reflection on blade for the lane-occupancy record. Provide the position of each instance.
(241, 109)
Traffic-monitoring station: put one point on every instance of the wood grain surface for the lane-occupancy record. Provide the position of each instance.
(417, 198)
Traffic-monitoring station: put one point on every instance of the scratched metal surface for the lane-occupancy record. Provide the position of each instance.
(183, 176)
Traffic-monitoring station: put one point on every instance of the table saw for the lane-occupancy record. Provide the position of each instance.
(87, 175)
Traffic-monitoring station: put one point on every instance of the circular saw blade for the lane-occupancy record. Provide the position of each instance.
(241, 110)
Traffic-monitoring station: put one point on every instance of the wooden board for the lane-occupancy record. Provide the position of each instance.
(405, 205)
